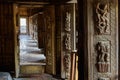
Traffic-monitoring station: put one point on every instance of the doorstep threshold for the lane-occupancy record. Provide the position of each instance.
(34, 64)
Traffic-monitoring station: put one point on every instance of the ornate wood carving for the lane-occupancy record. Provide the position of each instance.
(103, 59)
(68, 41)
(67, 60)
(67, 22)
(101, 39)
(102, 18)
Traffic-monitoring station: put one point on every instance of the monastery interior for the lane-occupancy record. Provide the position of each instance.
(59, 39)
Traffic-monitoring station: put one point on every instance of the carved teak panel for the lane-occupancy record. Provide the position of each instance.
(102, 40)
(67, 30)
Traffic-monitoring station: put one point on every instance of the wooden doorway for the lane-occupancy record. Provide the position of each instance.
(49, 45)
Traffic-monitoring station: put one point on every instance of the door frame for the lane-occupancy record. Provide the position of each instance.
(16, 43)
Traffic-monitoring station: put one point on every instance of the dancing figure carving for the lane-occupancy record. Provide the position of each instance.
(102, 17)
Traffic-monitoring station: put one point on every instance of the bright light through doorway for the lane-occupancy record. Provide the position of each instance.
(23, 25)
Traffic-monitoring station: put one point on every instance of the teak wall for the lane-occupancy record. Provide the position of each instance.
(90, 35)
(41, 31)
(6, 37)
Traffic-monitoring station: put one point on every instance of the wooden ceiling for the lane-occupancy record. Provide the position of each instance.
(30, 5)
(49, 1)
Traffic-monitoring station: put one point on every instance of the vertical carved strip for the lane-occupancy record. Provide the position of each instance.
(67, 61)
(67, 44)
(68, 41)
(67, 22)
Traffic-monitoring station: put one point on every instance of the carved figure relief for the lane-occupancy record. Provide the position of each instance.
(67, 64)
(68, 42)
(102, 18)
(103, 55)
(103, 59)
(67, 21)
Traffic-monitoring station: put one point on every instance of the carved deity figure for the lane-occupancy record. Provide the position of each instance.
(67, 21)
(102, 17)
(103, 53)
(68, 42)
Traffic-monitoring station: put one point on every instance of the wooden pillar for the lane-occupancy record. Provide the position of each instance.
(7, 62)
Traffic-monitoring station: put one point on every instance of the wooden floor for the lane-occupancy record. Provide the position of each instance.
(30, 54)
(38, 77)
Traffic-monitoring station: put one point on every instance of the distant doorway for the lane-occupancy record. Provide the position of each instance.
(31, 40)
(23, 25)
(30, 53)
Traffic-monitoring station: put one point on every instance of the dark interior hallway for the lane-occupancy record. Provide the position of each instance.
(77, 39)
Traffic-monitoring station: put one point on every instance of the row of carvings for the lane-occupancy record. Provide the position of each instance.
(102, 27)
(67, 44)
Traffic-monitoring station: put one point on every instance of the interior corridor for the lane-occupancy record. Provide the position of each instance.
(30, 54)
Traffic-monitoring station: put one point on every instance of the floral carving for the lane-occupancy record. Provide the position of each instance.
(68, 42)
(67, 64)
(102, 17)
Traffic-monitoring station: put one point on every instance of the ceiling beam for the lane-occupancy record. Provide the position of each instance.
(33, 3)
(30, 6)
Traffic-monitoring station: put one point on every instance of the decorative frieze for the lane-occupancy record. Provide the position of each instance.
(102, 18)
(103, 56)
